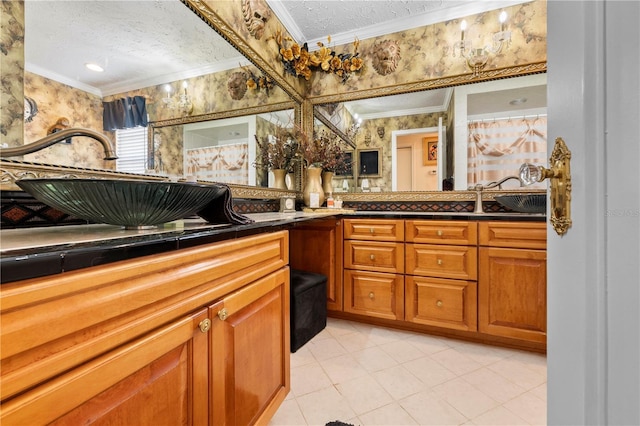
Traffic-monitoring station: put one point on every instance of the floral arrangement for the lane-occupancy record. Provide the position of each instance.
(277, 151)
(322, 151)
(299, 62)
(261, 82)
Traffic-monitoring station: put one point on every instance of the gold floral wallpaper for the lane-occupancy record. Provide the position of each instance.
(56, 100)
(12, 65)
(426, 52)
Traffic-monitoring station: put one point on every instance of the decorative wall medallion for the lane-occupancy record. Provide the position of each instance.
(256, 14)
(30, 109)
(386, 55)
(237, 85)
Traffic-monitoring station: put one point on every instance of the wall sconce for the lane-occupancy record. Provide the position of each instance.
(477, 57)
(353, 130)
(181, 102)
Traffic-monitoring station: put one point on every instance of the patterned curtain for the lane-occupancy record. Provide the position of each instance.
(224, 163)
(497, 148)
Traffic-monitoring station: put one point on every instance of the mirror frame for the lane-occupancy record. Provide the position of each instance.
(241, 191)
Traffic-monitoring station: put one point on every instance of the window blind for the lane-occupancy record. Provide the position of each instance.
(131, 148)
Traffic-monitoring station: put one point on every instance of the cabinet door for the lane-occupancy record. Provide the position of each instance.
(512, 291)
(317, 247)
(160, 379)
(250, 352)
(374, 294)
(441, 302)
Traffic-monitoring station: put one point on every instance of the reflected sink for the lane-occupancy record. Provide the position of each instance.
(524, 203)
(134, 204)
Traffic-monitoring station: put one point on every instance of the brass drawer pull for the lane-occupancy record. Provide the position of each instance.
(439, 303)
(371, 230)
(439, 261)
(371, 295)
(205, 325)
(222, 314)
(372, 257)
(439, 233)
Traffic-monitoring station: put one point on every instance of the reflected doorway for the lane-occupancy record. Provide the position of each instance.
(413, 170)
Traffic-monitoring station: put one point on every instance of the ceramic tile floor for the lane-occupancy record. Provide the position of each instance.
(366, 375)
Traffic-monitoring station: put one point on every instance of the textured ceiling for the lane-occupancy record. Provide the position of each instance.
(139, 43)
(313, 20)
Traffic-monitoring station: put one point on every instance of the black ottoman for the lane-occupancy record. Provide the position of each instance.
(308, 306)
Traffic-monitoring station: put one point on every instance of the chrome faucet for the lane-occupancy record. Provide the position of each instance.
(500, 182)
(479, 188)
(53, 138)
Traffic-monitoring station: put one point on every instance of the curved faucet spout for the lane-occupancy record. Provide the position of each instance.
(109, 150)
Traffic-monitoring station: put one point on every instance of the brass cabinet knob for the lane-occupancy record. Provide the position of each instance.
(222, 314)
(439, 232)
(371, 230)
(372, 257)
(205, 325)
(439, 303)
(439, 261)
(371, 295)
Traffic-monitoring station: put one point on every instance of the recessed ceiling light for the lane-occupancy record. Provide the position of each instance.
(94, 67)
(518, 101)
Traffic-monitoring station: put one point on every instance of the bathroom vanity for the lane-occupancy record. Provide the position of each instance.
(171, 333)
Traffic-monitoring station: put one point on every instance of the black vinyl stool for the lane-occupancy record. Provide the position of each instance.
(308, 306)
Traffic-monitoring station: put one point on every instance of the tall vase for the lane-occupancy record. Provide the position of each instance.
(313, 184)
(327, 183)
(279, 181)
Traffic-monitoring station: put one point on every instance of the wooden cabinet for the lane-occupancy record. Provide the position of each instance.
(133, 342)
(250, 352)
(317, 247)
(512, 285)
(483, 281)
(441, 268)
(374, 268)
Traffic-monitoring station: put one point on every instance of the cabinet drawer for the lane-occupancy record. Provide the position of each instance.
(374, 294)
(514, 234)
(374, 256)
(442, 303)
(456, 262)
(441, 232)
(374, 229)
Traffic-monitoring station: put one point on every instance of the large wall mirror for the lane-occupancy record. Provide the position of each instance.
(443, 138)
(159, 50)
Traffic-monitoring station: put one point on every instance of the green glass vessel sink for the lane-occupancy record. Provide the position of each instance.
(524, 203)
(134, 204)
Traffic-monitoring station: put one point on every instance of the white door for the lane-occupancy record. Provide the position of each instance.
(593, 274)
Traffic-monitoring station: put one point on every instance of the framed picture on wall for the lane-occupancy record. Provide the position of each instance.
(369, 162)
(429, 151)
(347, 160)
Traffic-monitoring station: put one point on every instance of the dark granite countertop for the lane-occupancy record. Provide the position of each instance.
(36, 252)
